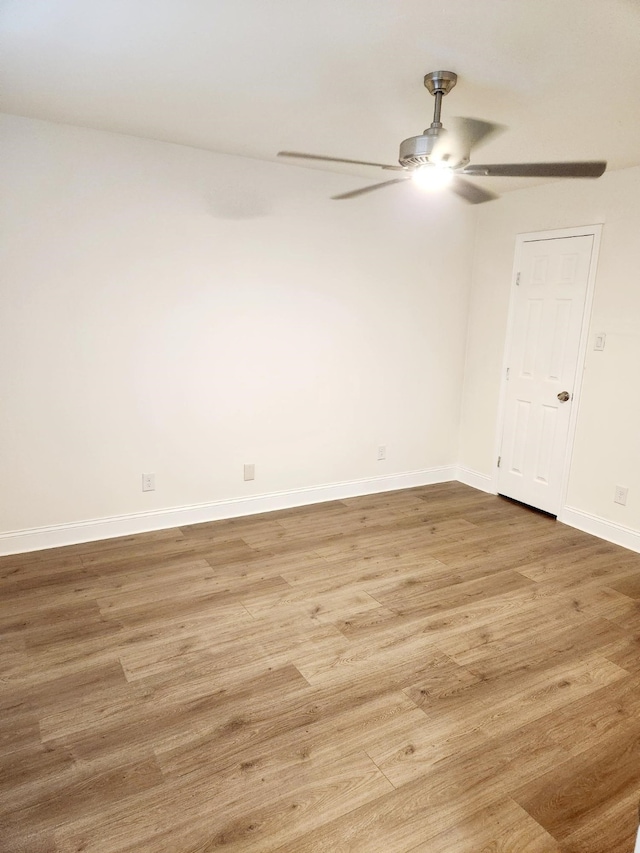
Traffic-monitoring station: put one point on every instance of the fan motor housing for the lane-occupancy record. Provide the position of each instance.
(416, 150)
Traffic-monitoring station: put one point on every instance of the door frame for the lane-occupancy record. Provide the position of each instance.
(528, 237)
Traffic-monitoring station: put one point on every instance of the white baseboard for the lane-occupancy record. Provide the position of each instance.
(483, 482)
(39, 538)
(600, 527)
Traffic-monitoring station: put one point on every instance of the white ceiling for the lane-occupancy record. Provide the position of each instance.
(337, 77)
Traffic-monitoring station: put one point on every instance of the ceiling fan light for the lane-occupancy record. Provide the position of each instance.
(435, 176)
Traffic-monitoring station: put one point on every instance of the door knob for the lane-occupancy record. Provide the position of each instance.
(563, 396)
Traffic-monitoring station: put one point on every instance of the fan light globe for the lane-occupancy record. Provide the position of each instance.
(432, 177)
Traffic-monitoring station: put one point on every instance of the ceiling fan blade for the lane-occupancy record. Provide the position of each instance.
(470, 192)
(363, 190)
(301, 156)
(468, 133)
(463, 135)
(587, 169)
(472, 131)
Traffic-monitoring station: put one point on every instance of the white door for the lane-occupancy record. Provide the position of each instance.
(547, 317)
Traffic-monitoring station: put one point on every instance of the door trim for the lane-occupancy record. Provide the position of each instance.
(557, 234)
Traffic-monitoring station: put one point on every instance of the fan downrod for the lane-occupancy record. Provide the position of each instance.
(439, 83)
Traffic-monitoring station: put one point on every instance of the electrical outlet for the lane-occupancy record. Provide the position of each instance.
(148, 482)
(382, 452)
(250, 471)
(620, 495)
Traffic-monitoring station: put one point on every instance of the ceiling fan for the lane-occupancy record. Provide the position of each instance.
(440, 158)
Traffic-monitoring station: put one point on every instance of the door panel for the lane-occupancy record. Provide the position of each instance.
(548, 313)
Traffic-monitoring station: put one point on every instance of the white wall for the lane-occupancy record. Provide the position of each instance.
(171, 310)
(607, 445)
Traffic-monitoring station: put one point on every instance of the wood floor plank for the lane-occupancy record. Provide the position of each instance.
(570, 800)
(498, 647)
(242, 729)
(258, 814)
(503, 826)
(419, 598)
(392, 660)
(628, 585)
(410, 815)
(581, 724)
(425, 670)
(19, 726)
(614, 831)
(75, 791)
(626, 653)
(479, 715)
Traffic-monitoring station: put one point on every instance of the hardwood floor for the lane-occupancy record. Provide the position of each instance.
(429, 670)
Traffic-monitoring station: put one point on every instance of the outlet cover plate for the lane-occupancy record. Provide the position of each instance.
(620, 495)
